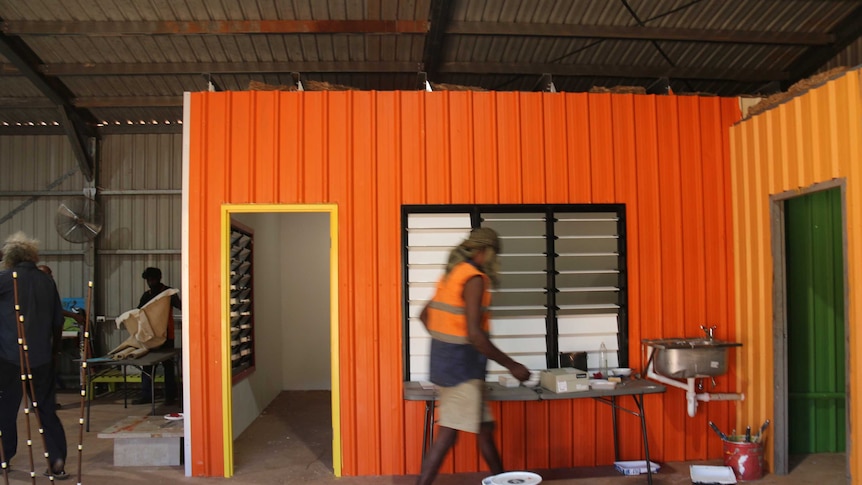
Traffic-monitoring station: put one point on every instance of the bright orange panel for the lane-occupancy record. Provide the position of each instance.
(532, 148)
(485, 148)
(365, 309)
(389, 287)
(672, 291)
(509, 161)
(354, 148)
(601, 149)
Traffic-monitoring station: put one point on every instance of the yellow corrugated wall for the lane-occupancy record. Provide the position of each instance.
(813, 138)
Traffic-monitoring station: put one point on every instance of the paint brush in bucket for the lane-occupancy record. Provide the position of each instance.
(718, 431)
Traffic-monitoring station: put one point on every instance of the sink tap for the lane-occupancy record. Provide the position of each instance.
(709, 331)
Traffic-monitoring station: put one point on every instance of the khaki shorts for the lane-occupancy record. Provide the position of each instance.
(463, 406)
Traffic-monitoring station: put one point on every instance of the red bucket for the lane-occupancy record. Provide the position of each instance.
(745, 459)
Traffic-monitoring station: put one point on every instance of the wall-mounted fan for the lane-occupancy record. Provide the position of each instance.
(78, 219)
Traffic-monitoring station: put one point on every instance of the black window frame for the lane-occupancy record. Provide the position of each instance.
(551, 318)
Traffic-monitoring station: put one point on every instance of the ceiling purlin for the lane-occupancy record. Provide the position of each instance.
(213, 27)
(845, 33)
(640, 33)
(74, 120)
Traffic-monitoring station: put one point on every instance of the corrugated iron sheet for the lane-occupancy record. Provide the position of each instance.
(761, 15)
(812, 138)
(139, 229)
(665, 157)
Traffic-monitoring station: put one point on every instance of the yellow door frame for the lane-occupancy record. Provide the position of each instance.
(226, 211)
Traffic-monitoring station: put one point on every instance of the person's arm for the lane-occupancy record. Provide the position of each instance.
(473, 291)
(57, 324)
(175, 301)
(423, 317)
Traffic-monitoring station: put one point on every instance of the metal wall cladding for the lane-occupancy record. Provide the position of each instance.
(140, 181)
(38, 173)
(665, 157)
(812, 138)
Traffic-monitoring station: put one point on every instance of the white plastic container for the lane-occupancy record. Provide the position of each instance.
(636, 467)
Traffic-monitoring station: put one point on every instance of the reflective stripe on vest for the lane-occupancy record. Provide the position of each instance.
(446, 319)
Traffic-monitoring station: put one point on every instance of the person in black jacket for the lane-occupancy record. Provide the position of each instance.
(42, 311)
(154, 282)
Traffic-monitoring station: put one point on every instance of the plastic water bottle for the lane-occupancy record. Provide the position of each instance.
(603, 360)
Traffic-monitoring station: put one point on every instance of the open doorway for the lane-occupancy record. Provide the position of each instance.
(810, 323)
(295, 316)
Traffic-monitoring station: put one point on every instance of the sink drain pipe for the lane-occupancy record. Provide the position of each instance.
(691, 396)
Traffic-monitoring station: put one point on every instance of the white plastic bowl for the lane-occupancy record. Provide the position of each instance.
(621, 372)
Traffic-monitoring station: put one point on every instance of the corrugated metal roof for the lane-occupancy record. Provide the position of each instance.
(144, 54)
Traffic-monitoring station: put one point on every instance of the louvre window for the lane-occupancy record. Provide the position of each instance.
(562, 281)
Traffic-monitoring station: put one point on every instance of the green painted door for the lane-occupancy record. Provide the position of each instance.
(815, 323)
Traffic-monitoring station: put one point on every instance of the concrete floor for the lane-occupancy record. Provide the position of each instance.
(291, 443)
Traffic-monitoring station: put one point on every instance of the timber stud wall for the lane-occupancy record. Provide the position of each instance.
(665, 157)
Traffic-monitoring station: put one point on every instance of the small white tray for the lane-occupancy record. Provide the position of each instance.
(712, 474)
(635, 467)
(601, 384)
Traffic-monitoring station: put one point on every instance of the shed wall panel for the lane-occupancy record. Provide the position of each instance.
(815, 137)
(371, 152)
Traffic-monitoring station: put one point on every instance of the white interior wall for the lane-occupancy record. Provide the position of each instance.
(305, 304)
(252, 394)
(291, 310)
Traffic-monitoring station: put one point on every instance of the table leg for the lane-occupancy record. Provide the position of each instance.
(125, 388)
(614, 420)
(640, 405)
(153, 388)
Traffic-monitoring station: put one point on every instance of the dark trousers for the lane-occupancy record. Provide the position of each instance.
(10, 401)
(170, 377)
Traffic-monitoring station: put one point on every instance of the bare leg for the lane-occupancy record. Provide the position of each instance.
(446, 438)
(489, 449)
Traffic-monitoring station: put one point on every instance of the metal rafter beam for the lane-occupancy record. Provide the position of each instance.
(845, 33)
(622, 71)
(440, 16)
(133, 69)
(26, 61)
(636, 32)
(213, 27)
(95, 102)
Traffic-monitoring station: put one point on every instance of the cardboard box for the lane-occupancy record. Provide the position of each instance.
(566, 379)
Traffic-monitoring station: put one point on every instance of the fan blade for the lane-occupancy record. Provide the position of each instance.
(92, 227)
(68, 234)
(66, 211)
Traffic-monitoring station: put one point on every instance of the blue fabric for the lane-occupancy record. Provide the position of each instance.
(452, 364)
(42, 311)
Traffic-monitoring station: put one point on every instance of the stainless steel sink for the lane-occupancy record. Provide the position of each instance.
(682, 358)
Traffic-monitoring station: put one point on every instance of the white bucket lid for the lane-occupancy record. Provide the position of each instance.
(513, 478)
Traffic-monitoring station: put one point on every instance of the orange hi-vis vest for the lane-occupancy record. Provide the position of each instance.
(453, 358)
(446, 318)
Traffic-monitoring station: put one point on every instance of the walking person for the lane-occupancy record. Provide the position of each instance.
(458, 320)
(40, 306)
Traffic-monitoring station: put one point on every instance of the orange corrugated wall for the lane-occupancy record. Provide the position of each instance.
(815, 137)
(665, 157)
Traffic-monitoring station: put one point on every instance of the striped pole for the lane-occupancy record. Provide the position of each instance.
(3, 463)
(25, 361)
(85, 354)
